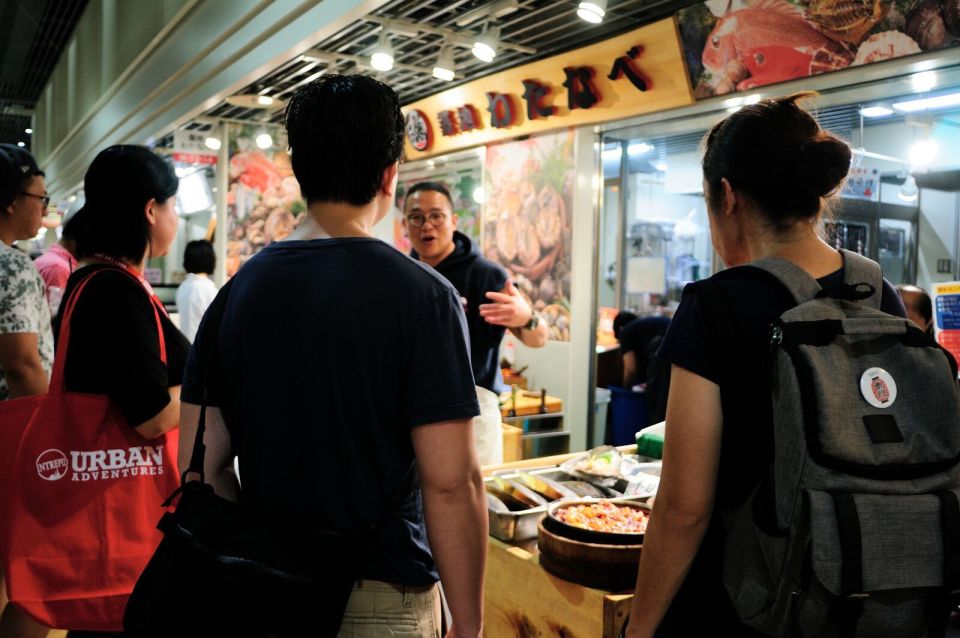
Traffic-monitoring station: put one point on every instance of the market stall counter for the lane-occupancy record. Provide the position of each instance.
(528, 591)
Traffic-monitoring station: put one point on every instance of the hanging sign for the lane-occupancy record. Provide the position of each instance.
(638, 72)
(190, 147)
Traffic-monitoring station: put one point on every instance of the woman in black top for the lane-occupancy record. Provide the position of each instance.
(128, 217)
(768, 172)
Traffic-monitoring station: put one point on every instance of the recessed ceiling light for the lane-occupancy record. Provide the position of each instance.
(928, 103)
(875, 111)
(923, 82)
(641, 148)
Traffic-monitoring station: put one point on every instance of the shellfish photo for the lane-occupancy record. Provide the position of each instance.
(739, 45)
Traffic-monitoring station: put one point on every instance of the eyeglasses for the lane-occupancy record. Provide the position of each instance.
(44, 198)
(435, 219)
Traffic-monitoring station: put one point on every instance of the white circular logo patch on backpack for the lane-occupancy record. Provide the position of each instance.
(878, 388)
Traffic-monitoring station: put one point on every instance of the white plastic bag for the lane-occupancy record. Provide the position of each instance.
(487, 431)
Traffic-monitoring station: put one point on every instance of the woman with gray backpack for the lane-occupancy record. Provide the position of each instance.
(810, 477)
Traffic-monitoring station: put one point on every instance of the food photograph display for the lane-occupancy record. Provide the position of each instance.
(529, 188)
(739, 45)
(264, 200)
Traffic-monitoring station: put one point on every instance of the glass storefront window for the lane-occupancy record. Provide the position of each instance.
(663, 232)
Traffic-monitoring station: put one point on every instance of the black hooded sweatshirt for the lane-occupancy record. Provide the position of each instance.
(473, 276)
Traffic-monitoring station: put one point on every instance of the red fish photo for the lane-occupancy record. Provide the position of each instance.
(740, 45)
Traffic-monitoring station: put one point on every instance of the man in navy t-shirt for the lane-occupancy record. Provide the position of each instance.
(492, 303)
(339, 362)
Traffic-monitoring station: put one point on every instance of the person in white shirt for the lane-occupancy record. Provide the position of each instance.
(197, 290)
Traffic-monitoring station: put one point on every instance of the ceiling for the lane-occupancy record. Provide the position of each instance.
(534, 29)
(33, 34)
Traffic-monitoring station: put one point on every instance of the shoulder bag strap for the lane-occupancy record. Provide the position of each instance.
(60, 357)
(798, 281)
(858, 270)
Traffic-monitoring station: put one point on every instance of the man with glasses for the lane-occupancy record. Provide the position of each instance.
(26, 340)
(491, 301)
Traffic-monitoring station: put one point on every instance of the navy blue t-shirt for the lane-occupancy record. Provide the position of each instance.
(330, 352)
(735, 363)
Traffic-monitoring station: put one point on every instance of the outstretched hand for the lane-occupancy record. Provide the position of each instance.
(508, 308)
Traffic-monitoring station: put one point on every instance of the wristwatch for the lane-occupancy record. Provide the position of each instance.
(534, 321)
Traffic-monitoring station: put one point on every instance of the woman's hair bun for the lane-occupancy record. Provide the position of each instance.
(823, 164)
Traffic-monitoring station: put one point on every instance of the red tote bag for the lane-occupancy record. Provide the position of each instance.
(81, 500)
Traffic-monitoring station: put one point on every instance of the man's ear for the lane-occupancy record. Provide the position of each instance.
(388, 184)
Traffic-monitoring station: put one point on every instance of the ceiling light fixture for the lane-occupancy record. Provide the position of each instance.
(908, 191)
(923, 82)
(382, 57)
(928, 103)
(445, 68)
(264, 100)
(213, 143)
(21, 144)
(485, 46)
(924, 152)
(662, 167)
(639, 149)
(592, 11)
(264, 141)
(875, 111)
(611, 154)
(28, 131)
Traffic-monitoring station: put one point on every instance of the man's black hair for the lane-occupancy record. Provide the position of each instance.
(435, 187)
(343, 131)
(199, 257)
(119, 183)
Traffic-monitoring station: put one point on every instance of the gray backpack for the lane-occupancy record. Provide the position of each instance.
(856, 529)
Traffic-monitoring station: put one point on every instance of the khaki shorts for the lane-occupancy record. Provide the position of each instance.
(377, 609)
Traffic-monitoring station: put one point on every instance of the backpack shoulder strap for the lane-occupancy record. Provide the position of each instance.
(801, 285)
(857, 270)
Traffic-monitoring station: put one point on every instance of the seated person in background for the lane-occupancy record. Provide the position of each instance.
(197, 290)
(58, 261)
(919, 306)
(640, 339)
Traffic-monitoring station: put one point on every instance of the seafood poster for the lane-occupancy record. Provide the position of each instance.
(264, 201)
(462, 185)
(529, 190)
(739, 45)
